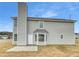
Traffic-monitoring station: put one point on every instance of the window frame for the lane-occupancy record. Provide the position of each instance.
(35, 37)
(42, 24)
(62, 36)
(40, 40)
(15, 37)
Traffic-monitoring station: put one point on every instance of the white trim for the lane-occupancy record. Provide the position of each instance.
(37, 39)
(34, 38)
(45, 39)
(42, 43)
(39, 24)
(37, 42)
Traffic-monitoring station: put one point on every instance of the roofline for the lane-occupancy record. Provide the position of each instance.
(50, 19)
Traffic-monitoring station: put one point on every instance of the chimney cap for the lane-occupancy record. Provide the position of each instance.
(22, 3)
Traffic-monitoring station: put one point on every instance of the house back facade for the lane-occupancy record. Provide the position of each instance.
(41, 31)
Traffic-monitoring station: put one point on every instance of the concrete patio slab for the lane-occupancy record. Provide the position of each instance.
(23, 48)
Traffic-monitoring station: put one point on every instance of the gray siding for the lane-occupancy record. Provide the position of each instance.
(55, 30)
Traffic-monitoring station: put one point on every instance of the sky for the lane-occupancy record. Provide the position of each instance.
(65, 10)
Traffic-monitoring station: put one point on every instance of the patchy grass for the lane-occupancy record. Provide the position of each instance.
(49, 50)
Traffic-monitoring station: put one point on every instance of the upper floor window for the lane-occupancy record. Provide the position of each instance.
(41, 24)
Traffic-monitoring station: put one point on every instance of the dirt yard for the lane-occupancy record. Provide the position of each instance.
(50, 50)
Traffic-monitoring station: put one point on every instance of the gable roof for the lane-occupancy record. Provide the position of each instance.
(47, 19)
(40, 31)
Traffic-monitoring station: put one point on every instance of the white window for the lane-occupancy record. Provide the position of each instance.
(61, 36)
(41, 37)
(41, 23)
(15, 37)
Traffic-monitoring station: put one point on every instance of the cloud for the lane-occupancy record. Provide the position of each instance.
(72, 8)
(49, 14)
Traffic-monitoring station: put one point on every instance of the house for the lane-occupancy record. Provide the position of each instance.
(5, 35)
(41, 31)
(33, 31)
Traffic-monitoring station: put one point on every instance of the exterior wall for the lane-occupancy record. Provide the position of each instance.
(32, 26)
(55, 30)
(14, 31)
